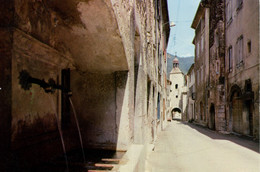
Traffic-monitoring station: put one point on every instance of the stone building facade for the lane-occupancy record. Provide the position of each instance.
(216, 82)
(201, 63)
(111, 55)
(242, 67)
(231, 58)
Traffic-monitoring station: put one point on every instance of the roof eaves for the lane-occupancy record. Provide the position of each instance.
(197, 16)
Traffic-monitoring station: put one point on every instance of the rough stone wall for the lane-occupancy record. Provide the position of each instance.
(216, 15)
(217, 66)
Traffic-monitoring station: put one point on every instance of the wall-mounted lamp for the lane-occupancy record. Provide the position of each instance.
(172, 24)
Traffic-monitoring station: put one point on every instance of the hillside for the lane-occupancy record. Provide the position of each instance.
(184, 63)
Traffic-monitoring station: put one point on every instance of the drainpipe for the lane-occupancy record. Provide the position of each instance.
(226, 77)
(156, 59)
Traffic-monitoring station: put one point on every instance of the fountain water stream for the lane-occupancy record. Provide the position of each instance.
(61, 137)
(62, 142)
(77, 123)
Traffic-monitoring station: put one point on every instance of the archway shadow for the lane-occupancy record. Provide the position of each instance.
(243, 141)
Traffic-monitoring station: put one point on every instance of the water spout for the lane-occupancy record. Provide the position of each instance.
(26, 81)
(80, 136)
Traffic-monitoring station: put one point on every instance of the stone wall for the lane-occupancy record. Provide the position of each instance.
(243, 76)
(217, 96)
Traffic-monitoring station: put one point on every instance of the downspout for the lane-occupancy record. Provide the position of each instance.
(226, 74)
(156, 58)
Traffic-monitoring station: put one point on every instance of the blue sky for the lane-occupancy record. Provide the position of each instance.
(182, 12)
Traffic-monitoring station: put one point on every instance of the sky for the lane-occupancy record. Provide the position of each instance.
(182, 12)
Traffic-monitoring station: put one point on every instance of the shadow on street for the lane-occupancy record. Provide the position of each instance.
(240, 140)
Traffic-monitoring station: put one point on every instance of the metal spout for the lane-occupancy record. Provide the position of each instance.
(26, 81)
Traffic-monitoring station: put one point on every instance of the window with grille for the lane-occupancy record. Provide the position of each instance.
(230, 59)
(229, 11)
(198, 49)
(239, 51)
(239, 4)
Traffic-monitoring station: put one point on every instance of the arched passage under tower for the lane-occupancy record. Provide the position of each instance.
(176, 113)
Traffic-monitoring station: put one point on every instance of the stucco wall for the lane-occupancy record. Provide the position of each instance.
(5, 93)
(29, 112)
(175, 94)
(95, 103)
(116, 104)
(248, 18)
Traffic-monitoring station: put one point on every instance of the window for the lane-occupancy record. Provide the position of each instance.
(239, 51)
(202, 43)
(249, 46)
(198, 77)
(230, 59)
(239, 4)
(158, 107)
(202, 24)
(229, 11)
(201, 74)
(176, 86)
(217, 67)
(198, 50)
(177, 96)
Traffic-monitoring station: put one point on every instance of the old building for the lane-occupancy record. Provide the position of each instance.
(201, 63)
(228, 72)
(190, 109)
(242, 66)
(177, 91)
(107, 58)
(216, 87)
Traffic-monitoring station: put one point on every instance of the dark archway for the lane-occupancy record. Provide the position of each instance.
(212, 117)
(249, 114)
(201, 111)
(176, 113)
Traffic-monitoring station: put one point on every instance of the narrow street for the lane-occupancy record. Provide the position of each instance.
(190, 148)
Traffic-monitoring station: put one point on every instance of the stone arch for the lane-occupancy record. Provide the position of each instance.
(234, 88)
(176, 113)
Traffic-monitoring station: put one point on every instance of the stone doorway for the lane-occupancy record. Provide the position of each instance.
(236, 113)
(201, 111)
(249, 115)
(212, 117)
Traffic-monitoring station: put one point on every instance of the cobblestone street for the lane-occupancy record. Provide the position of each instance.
(189, 148)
